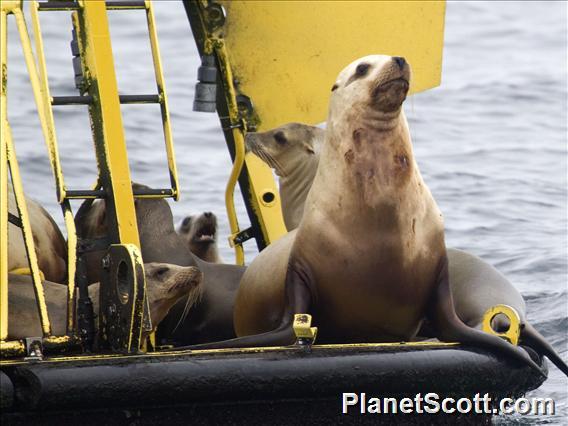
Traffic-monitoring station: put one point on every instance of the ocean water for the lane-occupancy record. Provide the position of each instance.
(491, 141)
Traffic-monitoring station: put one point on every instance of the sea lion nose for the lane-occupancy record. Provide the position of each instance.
(207, 214)
(400, 61)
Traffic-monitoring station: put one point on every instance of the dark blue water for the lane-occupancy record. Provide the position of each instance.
(491, 142)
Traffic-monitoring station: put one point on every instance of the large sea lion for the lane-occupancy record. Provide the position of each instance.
(476, 286)
(370, 276)
(210, 319)
(292, 150)
(200, 232)
(50, 245)
(165, 285)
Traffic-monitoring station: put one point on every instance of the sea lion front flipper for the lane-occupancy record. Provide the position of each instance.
(448, 327)
(298, 298)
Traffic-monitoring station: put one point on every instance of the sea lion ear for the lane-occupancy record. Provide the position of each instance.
(309, 148)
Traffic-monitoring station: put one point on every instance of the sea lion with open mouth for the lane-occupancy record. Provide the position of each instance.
(200, 232)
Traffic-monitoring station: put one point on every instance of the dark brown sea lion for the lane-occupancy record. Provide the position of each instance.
(50, 245)
(165, 285)
(370, 276)
(211, 318)
(200, 232)
(292, 150)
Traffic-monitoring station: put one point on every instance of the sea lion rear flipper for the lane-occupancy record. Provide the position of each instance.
(298, 298)
(532, 338)
(449, 327)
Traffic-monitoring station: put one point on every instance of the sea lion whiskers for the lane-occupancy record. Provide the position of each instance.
(267, 157)
(192, 299)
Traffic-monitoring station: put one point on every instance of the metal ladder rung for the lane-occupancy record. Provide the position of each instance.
(88, 99)
(138, 193)
(53, 6)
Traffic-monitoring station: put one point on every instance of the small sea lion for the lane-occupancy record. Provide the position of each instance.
(292, 150)
(200, 232)
(165, 285)
(50, 245)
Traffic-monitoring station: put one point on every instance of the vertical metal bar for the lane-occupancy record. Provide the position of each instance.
(27, 232)
(163, 98)
(49, 133)
(71, 263)
(106, 122)
(53, 151)
(3, 178)
(256, 178)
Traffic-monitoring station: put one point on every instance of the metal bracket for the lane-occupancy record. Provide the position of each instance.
(15, 220)
(215, 16)
(241, 237)
(122, 300)
(34, 349)
(513, 333)
(305, 333)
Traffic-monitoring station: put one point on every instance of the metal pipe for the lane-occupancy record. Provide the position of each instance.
(159, 74)
(3, 179)
(219, 47)
(27, 233)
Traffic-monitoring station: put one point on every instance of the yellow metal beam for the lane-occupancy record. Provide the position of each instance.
(159, 74)
(286, 54)
(3, 177)
(53, 151)
(27, 232)
(107, 120)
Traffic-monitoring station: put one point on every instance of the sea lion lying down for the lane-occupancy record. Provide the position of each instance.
(165, 285)
(50, 245)
(211, 317)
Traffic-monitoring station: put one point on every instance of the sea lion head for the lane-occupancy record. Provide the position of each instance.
(372, 88)
(284, 147)
(166, 284)
(367, 147)
(200, 232)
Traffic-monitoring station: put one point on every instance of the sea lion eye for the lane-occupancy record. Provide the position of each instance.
(362, 69)
(335, 86)
(280, 138)
(186, 221)
(161, 271)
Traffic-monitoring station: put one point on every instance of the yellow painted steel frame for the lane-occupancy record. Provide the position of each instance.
(261, 182)
(3, 176)
(9, 159)
(112, 158)
(159, 74)
(48, 127)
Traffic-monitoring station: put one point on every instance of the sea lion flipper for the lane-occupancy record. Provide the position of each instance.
(532, 338)
(448, 327)
(298, 298)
